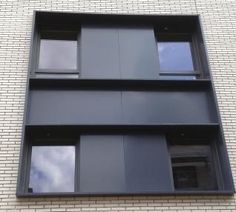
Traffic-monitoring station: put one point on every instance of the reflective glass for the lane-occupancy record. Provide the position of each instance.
(192, 167)
(52, 169)
(177, 77)
(175, 56)
(57, 54)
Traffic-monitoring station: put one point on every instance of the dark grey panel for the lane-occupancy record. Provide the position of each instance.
(74, 107)
(99, 52)
(227, 183)
(104, 107)
(138, 53)
(167, 107)
(147, 164)
(102, 164)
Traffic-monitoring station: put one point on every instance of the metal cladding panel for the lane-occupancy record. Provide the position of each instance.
(224, 166)
(99, 52)
(147, 164)
(119, 107)
(114, 53)
(138, 53)
(74, 107)
(167, 107)
(102, 164)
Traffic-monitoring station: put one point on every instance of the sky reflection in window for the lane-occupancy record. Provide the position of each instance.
(57, 54)
(177, 77)
(175, 56)
(52, 169)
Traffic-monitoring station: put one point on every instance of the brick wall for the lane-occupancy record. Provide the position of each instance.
(219, 27)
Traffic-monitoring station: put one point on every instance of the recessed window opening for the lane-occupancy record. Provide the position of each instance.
(52, 169)
(177, 57)
(193, 166)
(58, 51)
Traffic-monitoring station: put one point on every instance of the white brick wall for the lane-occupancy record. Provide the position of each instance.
(219, 26)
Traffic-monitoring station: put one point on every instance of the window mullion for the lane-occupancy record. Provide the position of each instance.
(77, 166)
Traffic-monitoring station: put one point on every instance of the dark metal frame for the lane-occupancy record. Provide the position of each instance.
(53, 82)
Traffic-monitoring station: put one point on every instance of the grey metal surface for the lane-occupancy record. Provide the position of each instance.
(100, 52)
(115, 52)
(147, 164)
(74, 107)
(102, 164)
(167, 107)
(138, 53)
(108, 107)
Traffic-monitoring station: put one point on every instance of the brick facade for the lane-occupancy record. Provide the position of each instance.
(218, 19)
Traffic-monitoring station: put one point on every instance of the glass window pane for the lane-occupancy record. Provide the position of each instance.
(177, 77)
(57, 54)
(193, 167)
(52, 169)
(175, 56)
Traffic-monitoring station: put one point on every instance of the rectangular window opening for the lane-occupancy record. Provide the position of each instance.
(58, 52)
(52, 169)
(177, 56)
(193, 166)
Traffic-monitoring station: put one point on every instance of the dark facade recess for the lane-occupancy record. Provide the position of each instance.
(120, 105)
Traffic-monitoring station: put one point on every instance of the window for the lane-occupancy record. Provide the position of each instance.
(178, 55)
(58, 53)
(193, 165)
(100, 119)
(52, 169)
(175, 56)
(51, 163)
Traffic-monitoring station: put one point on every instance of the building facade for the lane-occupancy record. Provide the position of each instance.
(218, 28)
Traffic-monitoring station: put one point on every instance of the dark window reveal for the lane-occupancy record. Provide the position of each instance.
(185, 177)
(52, 169)
(193, 167)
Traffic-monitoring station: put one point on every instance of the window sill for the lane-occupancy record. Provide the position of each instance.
(107, 194)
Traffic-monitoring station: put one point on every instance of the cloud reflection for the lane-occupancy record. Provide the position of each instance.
(52, 169)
